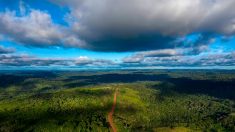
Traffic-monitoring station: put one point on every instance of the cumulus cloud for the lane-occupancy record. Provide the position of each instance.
(120, 25)
(4, 50)
(35, 29)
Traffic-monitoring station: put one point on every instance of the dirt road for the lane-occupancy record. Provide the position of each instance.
(110, 115)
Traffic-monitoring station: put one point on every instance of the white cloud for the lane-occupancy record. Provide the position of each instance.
(35, 29)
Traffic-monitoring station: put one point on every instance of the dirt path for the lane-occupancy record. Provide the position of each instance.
(110, 115)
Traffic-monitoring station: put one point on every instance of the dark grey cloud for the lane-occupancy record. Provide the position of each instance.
(120, 25)
(4, 50)
(138, 43)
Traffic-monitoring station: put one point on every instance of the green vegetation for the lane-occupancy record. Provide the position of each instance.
(161, 101)
(63, 110)
(146, 108)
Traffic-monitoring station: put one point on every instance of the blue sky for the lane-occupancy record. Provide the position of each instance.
(117, 34)
(58, 52)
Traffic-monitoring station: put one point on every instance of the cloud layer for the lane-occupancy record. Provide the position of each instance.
(120, 25)
(179, 58)
(158, 32)
(156, 58)
(33, 61)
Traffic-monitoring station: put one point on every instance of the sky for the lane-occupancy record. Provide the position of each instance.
(117, 34)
